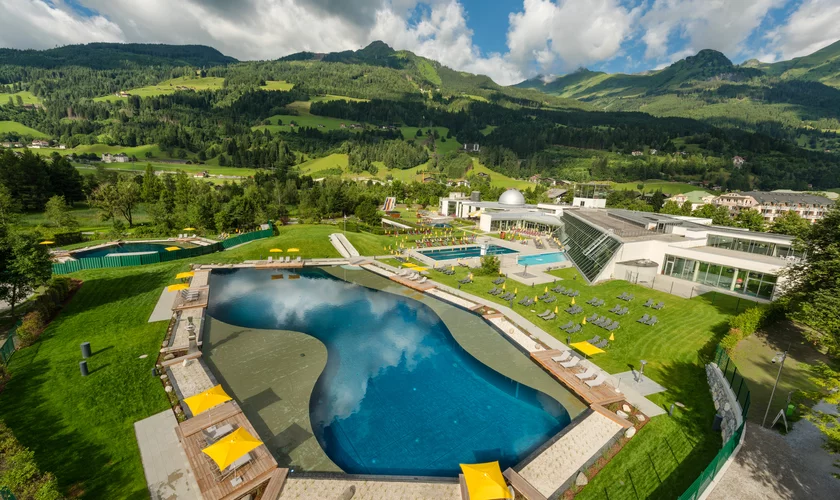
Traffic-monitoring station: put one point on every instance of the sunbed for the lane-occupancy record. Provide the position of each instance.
(562, 357)
(570, 363)
(588, 373)
(595, 382)
(643, 319)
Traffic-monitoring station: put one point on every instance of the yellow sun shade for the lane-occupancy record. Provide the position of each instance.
(188, 274)
(293, 250)
(48, 242)
(586, 348)
(202, 402)
(485, 481)
(231, 448)
(276, 250)
(172, 249)
(175, 288)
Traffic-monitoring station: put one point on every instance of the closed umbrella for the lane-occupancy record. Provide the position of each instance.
(175, 288)
(276, 250)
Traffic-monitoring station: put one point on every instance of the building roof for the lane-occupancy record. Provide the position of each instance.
(555, 192)
(788, 197)
(512, 197)
(695, 196)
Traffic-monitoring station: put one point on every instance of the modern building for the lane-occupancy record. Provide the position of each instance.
(772, 204)
(638, 246)
(509, 212)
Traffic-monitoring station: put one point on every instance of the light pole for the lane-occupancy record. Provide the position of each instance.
(642, 370)
(780, 358)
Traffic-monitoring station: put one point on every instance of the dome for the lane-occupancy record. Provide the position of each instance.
(512, 197)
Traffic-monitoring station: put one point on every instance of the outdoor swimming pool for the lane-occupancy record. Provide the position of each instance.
(124, 248)
(398, 395)
(543, 258)
(465, 252)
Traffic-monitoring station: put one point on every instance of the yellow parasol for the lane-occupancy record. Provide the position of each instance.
(573, 301)
(612, 337)
(504, 286)
(485, 481)
(515, 291)
(175, 288)
(184, 275)
(583, 322)
(231, 448)
(586, 348)
(202, 402)
(546, 289)
(556, 309)
(172, 249)
(189, 229)
(536, 299)
(293, 250)
(276, 250)
(47, 242)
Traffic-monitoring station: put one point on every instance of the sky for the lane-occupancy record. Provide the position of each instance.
(509, 40)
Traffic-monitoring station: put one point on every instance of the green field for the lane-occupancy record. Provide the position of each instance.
(170, 87)
(330, 97)
(305, 120)
(7, 127)
(140, 166)
(667, 187)
(277, 85)
(28, 98)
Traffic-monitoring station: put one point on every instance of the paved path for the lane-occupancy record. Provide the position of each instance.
(304, 488)
(163, 308)
(771, 466)
(168, 473)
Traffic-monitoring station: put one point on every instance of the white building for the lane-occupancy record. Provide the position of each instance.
(117, 158)
(509, 212)
(772, 204)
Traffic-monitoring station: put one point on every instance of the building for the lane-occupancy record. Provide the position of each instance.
(772, 204)
(738, 162)
(62, 146)
(697, 199)
(536, 178)
(653, 151)
(556, 195)
(38, 144)
(590, 195)
(472, 148)
(509, 212)
(117, 158)
(637, 153)
(641, 246)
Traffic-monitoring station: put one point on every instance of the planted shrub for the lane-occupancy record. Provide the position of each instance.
(31, 327)
(748, 322)
(19, 472)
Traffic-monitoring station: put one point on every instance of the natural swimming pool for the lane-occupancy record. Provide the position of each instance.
(398, 394)
(123, 248)
(464, 252)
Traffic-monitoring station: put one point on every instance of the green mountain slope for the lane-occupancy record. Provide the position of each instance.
(116, 55)
(821, 66)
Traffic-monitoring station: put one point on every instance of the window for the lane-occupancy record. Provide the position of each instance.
(741, 281)
(589, 248)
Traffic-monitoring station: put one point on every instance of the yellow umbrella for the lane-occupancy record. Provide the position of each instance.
(556, 309)
(504, 286)
(175, 288)
(583, 322)
(48, 242)
(188, 274)
(202, 402)
(546, 289)
(573, 301)
(276, 250)
(536, 299)
(515, 291)
(586, 348)
(485, 481)
(452, 268)
(612, 337)
(172, 249)
(292, 250)
(189, 229)
(231, 448)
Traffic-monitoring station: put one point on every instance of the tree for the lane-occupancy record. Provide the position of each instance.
(367, 212)
(671, 208)
(24, 266)
(490, 265)
(750, 219)
(57, 211)
(790, 223)
(19, 100)
(118, 199)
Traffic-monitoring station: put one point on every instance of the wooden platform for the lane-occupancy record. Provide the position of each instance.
(264, 264)
(420, 287)
(522, 486)
(261, 469)
(604, 394)
(181, 303)
(275, 484)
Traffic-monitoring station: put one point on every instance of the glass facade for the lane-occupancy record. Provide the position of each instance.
(743, 281)
(752, 246)
(589, 248)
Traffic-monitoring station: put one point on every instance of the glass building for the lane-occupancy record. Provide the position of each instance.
(590, 248)
(744, 281)
(780, 250)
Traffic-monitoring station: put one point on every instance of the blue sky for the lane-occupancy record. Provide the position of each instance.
(509, 40)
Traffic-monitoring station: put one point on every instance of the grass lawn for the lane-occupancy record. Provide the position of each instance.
(87, 217)
(27, 97)
(277, 85)
(667, 187)
(140, 167)
(442, 147)
(8, 126)
(305, 120)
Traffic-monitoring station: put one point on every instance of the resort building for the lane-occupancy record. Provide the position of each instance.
(772, 204)
(638, 246)
(117, 158)
(509, 212)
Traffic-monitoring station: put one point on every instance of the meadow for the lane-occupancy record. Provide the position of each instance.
(26, 96)
(8, 126)
(667, 187)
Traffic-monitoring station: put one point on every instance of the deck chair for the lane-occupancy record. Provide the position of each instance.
(546, 313)
(559, 289)
(550, 299)
(630, 297)
(422, 280)
(592, 318)
(594, 339)
(643, 319)
(574, 329)
(615, 309)
(588, 373)
(568, 325)
(659, 306)
(270, 259)
(602, 344)
(550, 317)
(564, 356)
(600, 303)
(529, 302)
(492, 290)
(575, 293)
(622, 296)
(595, 382)
(623, 311)
(570, 363)
(648, 303)
(652, 321)
(614, 326)
(498, 281)
(591, 301)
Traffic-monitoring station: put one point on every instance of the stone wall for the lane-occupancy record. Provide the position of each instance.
(726, 403)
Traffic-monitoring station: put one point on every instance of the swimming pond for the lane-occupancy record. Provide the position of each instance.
(123, 248)
(398, 394)
(464, 252)
(543, 258)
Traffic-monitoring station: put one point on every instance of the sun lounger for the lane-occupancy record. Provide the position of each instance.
(528, 302)
(558, 289)
(622, 296)
(465, 281)
(270, 259)
(594, 339)
(492, 290)
(574, 329)
(570, 363)
(648, 303)
(659, 306)
(595, 382)
(575, 293)
(614, 326)
(600, 303)
(550, 317)
(615, 309)
(498, 281)
(562, 357)
(592, 318)
(623, 311)
(507, 296)
(544, 296)
(550, 299)
(598, 321)
(422, 280)
(602, 344)
(652, 321)
(588, 373)
(591, 301)
(546, 313)
(643, 319)
(568, 325)
(630, 297)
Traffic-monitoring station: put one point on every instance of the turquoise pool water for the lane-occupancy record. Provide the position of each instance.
(543, 258)
(123, 248)
(464, 253)
(398, 395)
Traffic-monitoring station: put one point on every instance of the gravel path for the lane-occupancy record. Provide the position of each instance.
(772, 466)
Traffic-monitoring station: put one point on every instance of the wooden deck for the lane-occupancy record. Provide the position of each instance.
(262, 468)
(275, 484)
(181, 303)
(522, 486)
(264, 264)
(420, 287)
(604, 394)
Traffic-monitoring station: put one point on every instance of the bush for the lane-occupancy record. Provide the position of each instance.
(748, 322)
(31, 327)
(19, 472)
(490, 265)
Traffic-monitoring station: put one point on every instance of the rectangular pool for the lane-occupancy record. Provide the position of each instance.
(542, 258)
(465, 252)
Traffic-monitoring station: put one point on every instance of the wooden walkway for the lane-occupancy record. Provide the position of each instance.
(604, 394)
(261, 469)
(264, 264)
(420, 287)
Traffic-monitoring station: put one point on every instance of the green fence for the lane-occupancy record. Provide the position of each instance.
(155, 258)
(5, 494)
(739, 386)
(8, 347)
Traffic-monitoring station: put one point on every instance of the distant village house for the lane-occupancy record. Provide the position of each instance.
(472, 148)
(117, 158)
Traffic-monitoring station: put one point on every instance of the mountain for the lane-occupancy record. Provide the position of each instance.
(116, 55)
(821, 66)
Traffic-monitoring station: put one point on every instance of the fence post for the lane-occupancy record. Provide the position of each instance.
(732, 380)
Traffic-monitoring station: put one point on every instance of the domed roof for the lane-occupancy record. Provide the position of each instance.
(512, 197)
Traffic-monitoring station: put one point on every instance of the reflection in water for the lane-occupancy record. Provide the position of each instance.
(398, 394)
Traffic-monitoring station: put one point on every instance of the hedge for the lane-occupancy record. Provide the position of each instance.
(748, 322)
(19, 472)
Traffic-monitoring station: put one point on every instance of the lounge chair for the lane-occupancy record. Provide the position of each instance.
(270, 259)
(599, 321)
(623, 311)
(528, 302)
(546, 313)
(465, 281)
(592, 318)
(615, 309)
(549, 317)
(630, 297)
(595, 382)
(498, 292)
(507, 296)
(562, 357)
(422, 280)
(648, 303)
(643, 319)
(594, 339)
(659, 306)
(592, 301)
(600, 303)
(614, 326)
(558, 289)
(568, 325)
(602, 344)
(570, 363)
(652, 321)
(623, 296)
(574, 329)
(550, 299)
(492, 290)
(498, 281)
(588, 373)
(575, 293)
(544, 296)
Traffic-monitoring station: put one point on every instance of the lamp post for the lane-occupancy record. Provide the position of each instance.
(780, 358)
(642, 370)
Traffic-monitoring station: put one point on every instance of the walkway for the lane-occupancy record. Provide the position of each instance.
(343, 245)
(168, 474)
(163, 308)
(301, 487)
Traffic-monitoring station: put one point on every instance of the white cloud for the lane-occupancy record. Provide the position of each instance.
(722, 25)
(35, 24)
(812, 26)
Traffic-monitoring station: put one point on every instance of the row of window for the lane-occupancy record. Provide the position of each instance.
(752, 246)
(588, 247)
(737, 280)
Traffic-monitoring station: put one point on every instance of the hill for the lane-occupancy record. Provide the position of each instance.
(116, 55)
(821, 66)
